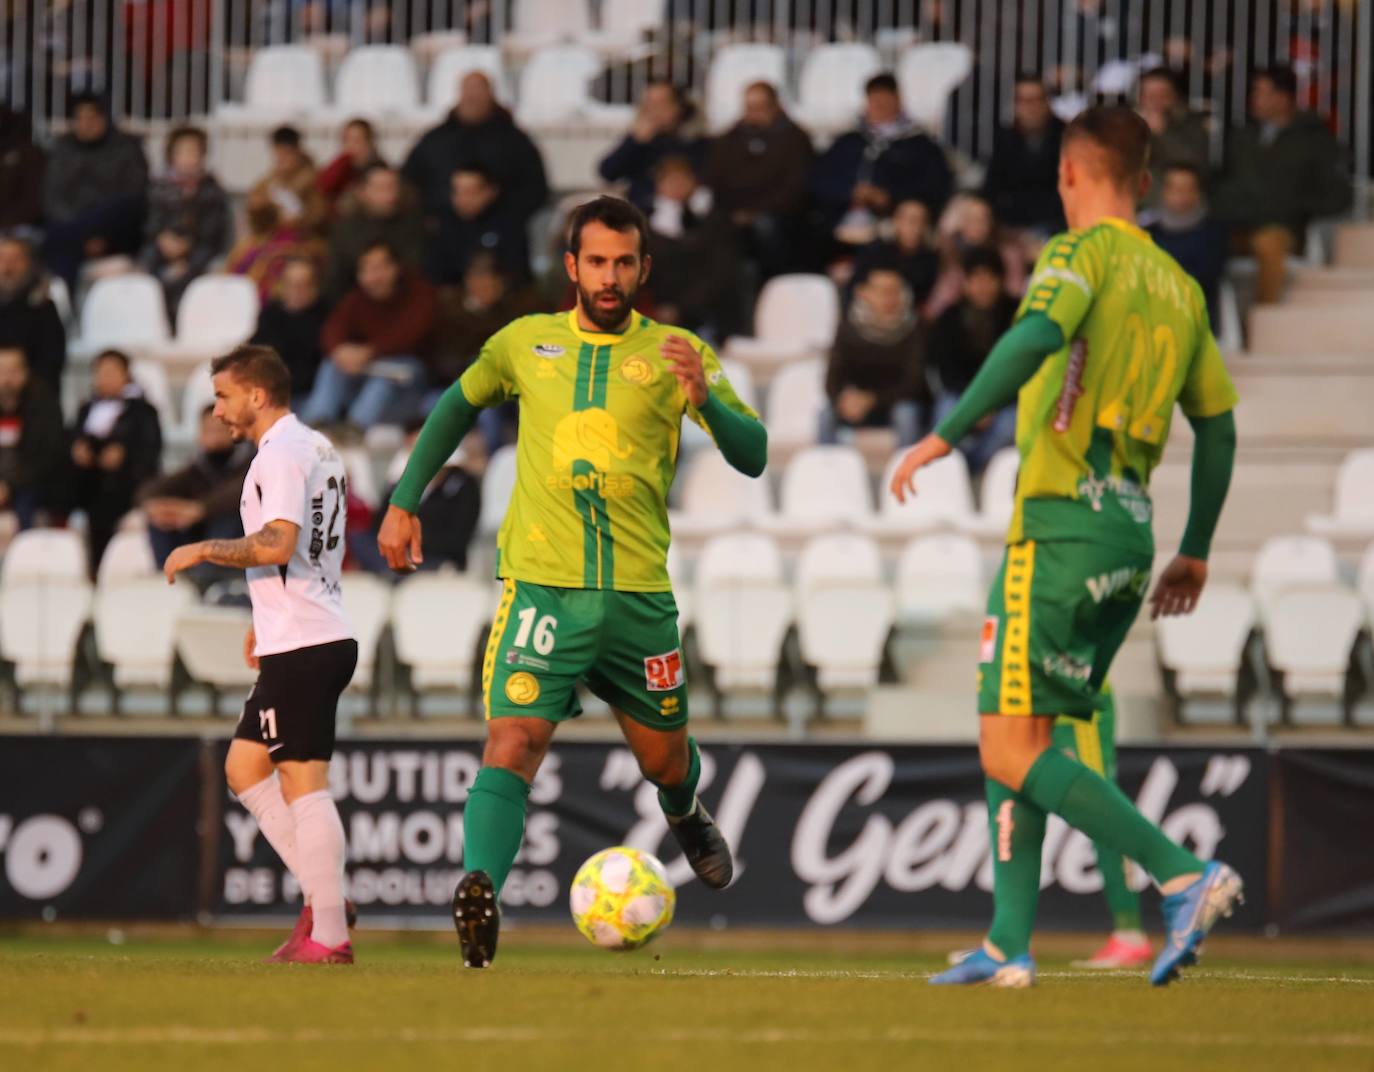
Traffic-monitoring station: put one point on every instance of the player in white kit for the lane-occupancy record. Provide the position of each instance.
(301, 642)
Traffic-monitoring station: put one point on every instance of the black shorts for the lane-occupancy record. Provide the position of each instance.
(292, 707)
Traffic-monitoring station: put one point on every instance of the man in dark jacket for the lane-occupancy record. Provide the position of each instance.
(384, 213)
(116, 447)
(478, 131)
(757, 172)
(885, 160)
(94, 192)
(22, 165)
(1178, 135)
(28, 318)
(1022, 182)
(291, 323)
(1283, 169)
(1184, 228)
(476, 221)
(660, 130)
(31, 440)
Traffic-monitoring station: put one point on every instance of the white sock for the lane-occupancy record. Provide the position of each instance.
(266, 804)
(320, 847)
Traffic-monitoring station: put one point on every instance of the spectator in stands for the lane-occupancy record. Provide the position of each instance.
(696, 270)
(385, 213)
(263, 253)
(188, 218)
(476, 220)
(290, 186)
(32, 441)
(1179, 135)
(967, 224)
(338, 181)
(200, 501)
(885, 160)
(876, 375)
(94, 192)
(664, 126)
(478, 132)
(910, 249)
(292, 322)
(1283, 169)
(29, 319)
(1022, 181)
(22, 168)
(116, 447)
(1184, 228)
(960, 341)
(378, 343)
(757, 172)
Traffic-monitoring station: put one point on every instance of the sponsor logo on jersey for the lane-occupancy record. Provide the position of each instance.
(1127, 579)
(663, 673)
(1064, 665)
(1073, 386)
(714, 376)
(638, 371)
(669, 706)
(591, 436)
(522, 688)
(548, 350)
(987, 642)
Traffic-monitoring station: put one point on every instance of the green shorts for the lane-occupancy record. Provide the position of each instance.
(1057, 615)
(624, 646)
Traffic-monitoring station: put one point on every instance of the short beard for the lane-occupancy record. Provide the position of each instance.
(606, 320)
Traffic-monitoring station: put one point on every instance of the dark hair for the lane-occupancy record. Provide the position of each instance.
(364, 125)
(881, 259)
(1031, 77)
(380, 243)
(194, 133)
(1188, 167)
(88, 96)
(765, 87)
(113, 355)
(478, 169)
(486, 263)
(1167, 74)
(301, 258)
(881, 83)
(374, 167)
(207, 410)
(17, 238)
(681, 98)
(1281, 76)
(613, 212)
(1123, 136)
(984, 259)
(674, 162)
(286, 135)
(257, 366)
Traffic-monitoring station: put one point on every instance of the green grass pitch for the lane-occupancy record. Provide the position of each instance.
(722, 1002)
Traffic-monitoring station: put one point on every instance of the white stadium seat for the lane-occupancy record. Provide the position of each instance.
(497, 484)
(823, 488)
(376, 81)
(742, 610)
(367, 602)
(830, 89)
(1291, 562)
(45, 601)
(455, 63)
(283, 80)
(927, 75)
(1204, 650)
(209, 641)
(997, 497)
(844, 611)
(540, 24)
(44, 554)
(1309, 633)
(625, 26)
(717, 498)
(217, 313)
(682, 592)
(151, 377)
(1365, 583)
(128, 556)
(735, 67)
(943, 499)
(135, 626)
(795, 400)
(795, 318)
(123, 312)
(938, 578)
(555, 90)
(1353, 510)
(437, 619)
(362, 480)
(198, 393)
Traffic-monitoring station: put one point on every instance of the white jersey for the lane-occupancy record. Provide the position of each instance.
(298, 477)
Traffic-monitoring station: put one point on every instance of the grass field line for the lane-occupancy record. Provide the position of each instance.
(1219, 975)
(180, 1034)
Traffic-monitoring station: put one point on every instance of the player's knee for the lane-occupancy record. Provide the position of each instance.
(667, 767)
(239, 774)
(513, 747)
(1006, 761)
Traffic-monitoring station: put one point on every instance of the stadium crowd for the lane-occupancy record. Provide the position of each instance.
(380, 279)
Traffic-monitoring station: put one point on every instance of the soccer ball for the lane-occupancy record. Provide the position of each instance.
(621, 898)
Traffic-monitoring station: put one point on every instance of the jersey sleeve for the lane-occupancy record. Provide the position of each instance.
(490, 379)
(1067, 280)
(720, 388)
(283, 481)
(1208, 390)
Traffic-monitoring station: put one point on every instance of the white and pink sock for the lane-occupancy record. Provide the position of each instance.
(320, 852)
(266, 804)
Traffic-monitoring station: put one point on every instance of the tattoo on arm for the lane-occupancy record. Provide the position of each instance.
(262, 548)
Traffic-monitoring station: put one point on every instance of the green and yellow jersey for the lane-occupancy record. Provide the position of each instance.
(1093, 421)
(600, 419)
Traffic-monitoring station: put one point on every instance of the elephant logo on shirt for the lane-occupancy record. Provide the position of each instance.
(589, 435)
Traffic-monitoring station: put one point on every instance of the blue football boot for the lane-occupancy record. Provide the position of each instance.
(978, 967)
(1190, 914)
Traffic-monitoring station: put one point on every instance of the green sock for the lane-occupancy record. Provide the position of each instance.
(494, 823)
(1090, 803)
(676, 800)
(1016, 832)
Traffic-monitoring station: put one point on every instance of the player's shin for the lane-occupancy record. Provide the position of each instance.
(494, 823)
(1016, 830)
(266, 804)
(320, 844)
(1090, 803)
(677, 800)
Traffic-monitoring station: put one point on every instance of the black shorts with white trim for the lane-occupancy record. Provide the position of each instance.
(292, 707)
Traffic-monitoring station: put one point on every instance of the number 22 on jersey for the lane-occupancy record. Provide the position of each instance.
(1141, 408)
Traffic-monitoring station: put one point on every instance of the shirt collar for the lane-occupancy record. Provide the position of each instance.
(1128, 227)
(281, 423)
(602, 338)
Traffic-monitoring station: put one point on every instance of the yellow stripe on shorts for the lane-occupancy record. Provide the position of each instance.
(498, 630)
(1087, 743)
(1015, 698)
